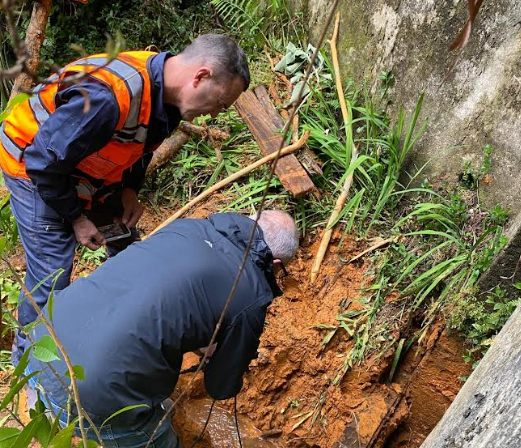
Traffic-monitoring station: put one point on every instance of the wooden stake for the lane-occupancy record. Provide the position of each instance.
(232, 178)
(339, 205)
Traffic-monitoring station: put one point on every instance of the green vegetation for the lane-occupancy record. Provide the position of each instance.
(439, 240)
(8, 227)
(164, 25)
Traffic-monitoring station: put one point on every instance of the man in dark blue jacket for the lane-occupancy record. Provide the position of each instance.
(129, 323)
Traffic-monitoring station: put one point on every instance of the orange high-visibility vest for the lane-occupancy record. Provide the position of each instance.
(129, 79)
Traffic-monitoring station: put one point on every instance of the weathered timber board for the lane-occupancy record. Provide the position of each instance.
(290, 172)
(306, 157)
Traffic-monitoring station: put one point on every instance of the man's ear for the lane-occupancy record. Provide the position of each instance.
(200, 74)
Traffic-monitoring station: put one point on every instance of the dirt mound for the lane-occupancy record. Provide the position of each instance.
(290, 392)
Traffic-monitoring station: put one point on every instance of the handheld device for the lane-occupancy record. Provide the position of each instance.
(114, 231)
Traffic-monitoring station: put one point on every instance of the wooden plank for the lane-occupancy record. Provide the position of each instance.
(291, 174)
(307, 158)
(264, 98)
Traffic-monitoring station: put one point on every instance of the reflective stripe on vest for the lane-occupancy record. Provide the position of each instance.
(128, 78)
(39, 110)
(11, 147)
(133, 80)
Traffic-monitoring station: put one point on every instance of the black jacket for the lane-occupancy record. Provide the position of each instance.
(129, 323)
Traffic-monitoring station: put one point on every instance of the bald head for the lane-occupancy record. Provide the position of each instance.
(280, 233)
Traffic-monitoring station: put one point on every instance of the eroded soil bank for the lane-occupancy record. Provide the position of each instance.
(289, 399)
(289, 394)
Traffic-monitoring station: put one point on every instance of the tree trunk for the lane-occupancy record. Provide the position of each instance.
(33, 41)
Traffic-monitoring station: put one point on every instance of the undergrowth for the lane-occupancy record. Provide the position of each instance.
(439, 240)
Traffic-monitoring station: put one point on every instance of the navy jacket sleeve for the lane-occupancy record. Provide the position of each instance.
(236, 347)
(68, 136)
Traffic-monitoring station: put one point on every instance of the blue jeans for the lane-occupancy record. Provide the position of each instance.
(49, 244)
(121, 437)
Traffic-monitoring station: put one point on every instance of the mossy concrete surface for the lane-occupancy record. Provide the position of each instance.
(479, 104)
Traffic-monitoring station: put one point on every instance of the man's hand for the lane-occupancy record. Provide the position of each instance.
(132, 208)
(87, 233)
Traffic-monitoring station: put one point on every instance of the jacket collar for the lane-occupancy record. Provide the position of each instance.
(237, 229)
(167, 114)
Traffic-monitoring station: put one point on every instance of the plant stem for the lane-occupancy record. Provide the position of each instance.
(340, 202)
(66, 358)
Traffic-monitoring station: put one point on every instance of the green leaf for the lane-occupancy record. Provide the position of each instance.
(396, 359)
(7, 436)
(324, 327)
(20, 98)
(64, 437)
(43, 430)
(26, 436)
(45, 350)
(22, 364)
(3, 242)
(90, 444)
(56, 423)
(15, 389)
(50, 302)
(517, 285)
(128, 408)
(79, 372)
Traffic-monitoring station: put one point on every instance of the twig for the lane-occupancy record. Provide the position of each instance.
(295, 127)
(232, 178)
(462, 39)
(354, 154)
(375, 246)
(245, 257)
(171, 146)
(65, 355)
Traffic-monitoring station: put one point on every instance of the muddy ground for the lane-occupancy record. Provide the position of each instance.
(288, 393)
(288, 399)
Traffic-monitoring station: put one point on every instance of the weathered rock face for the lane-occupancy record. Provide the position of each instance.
(485, 413)
(479, 104)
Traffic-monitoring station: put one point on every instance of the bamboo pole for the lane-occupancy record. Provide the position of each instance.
(284, 151)
(339, 205)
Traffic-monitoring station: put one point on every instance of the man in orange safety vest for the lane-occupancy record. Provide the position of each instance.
(74, 156)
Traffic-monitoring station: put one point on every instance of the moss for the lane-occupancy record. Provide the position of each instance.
(353, 40)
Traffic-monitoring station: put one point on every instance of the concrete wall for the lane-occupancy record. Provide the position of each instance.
(485, 413)
(481, 102)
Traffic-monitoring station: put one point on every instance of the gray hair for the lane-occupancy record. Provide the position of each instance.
(280, 233)
(222, 54)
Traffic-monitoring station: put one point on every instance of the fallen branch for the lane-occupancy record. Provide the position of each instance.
(380, 243)
(171, 146)
(463, 37)
(232, 178)
(354, 154)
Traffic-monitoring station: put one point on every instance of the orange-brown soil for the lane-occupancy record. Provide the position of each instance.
(289, 393)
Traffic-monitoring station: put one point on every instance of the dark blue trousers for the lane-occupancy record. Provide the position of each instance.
(49, 244)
